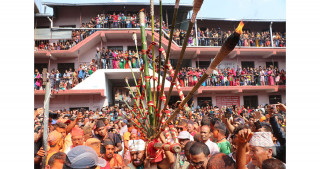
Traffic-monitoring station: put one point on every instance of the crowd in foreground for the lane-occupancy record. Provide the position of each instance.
(210, 138)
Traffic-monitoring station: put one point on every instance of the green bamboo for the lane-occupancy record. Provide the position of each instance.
(141, 112)
(146, 71)
(145, 127)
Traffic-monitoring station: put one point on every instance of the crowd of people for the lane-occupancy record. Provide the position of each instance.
(216, 37)
(206, 37)
(210, 138)
(65, 81)
(230, 77)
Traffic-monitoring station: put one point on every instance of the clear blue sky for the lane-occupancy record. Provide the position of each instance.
(229, 9)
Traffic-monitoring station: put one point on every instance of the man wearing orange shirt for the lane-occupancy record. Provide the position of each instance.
(113, 160)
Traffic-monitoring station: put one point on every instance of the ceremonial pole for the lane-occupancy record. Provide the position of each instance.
(196, 7)
(175, 13)
(46, 123)
(226, 48)
(146, 73)
(153, 54)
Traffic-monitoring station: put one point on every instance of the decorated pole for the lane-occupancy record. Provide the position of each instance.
(175, 13)
(153, 54)
(46, 123)
(196, 7)
(158, 106)
(226, 48)
(146, 72)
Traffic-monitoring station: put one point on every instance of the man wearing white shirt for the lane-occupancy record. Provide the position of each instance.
(205, 138)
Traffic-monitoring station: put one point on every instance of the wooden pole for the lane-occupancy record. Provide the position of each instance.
(226, 48)
(175, 13)
(146, 72)
(46, 122)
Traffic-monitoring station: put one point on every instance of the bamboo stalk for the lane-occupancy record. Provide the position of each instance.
(146, 72)
(141, 112)
(144, 126)
(158, 107)
(196, 7)
(153, 54)
(175, 13)
(226, 48)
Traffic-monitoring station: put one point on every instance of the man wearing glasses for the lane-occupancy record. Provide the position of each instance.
(199, 155)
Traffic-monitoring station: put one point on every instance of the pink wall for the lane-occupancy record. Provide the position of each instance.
(67, 101)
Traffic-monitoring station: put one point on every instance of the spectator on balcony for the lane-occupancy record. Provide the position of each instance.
(98, 58)
(80, 73)
(122, 60)
(41, 46)
(270, 77)
(115, 20)
(126, 57)
(37, 80)
(110, 59)
(103, 57)
(129, 21)
(57, 80)
(262, 81)
(265, 76)
(52, 78)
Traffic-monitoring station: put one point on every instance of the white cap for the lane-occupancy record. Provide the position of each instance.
(261, 139)
(137, 145)
(185, 135)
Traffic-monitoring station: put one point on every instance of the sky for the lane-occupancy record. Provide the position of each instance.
(227, 9)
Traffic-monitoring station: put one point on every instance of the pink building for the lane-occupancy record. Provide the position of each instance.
(98, 89)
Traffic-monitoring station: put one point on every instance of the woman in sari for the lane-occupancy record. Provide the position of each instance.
(122, 61)
(270, 77)
(126, 58)
(190, 77)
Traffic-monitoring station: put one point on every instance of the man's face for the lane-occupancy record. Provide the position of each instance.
(205, 133)
(259, 154)
(87, 136)
(199, 161)
(101, 131)
(77, 140)
(183, 142)
(190, 128)
(137, 158)
(58, 164)
(62, 131)
(215, 133)
(109, 151)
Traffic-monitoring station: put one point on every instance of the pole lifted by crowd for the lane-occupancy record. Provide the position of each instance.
(156, 117)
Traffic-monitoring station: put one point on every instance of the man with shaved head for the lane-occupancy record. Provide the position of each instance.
(221, 161)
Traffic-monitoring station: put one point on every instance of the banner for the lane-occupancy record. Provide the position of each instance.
(227, 100)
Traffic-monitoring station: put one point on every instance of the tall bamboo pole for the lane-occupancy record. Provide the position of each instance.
(153, 54)
(159, 59)
(175, 13)
(226, 48)
(146, 71)
(196, 7)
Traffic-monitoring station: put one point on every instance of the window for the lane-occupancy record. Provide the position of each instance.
(247, 64)
(119, 48)
(133, 48)
(175, 100)
(40, 66)
(275, 64)
(79, 108)
(203, 64)
(185, 63)
(62, 67)
(251, 101)
(204, 101)
(274, 99)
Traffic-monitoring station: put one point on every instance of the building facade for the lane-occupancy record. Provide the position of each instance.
(100, 89)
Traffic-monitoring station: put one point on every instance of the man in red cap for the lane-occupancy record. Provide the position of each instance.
(77, 138)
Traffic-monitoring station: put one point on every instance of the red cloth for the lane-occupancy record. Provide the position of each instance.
(153, 152)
